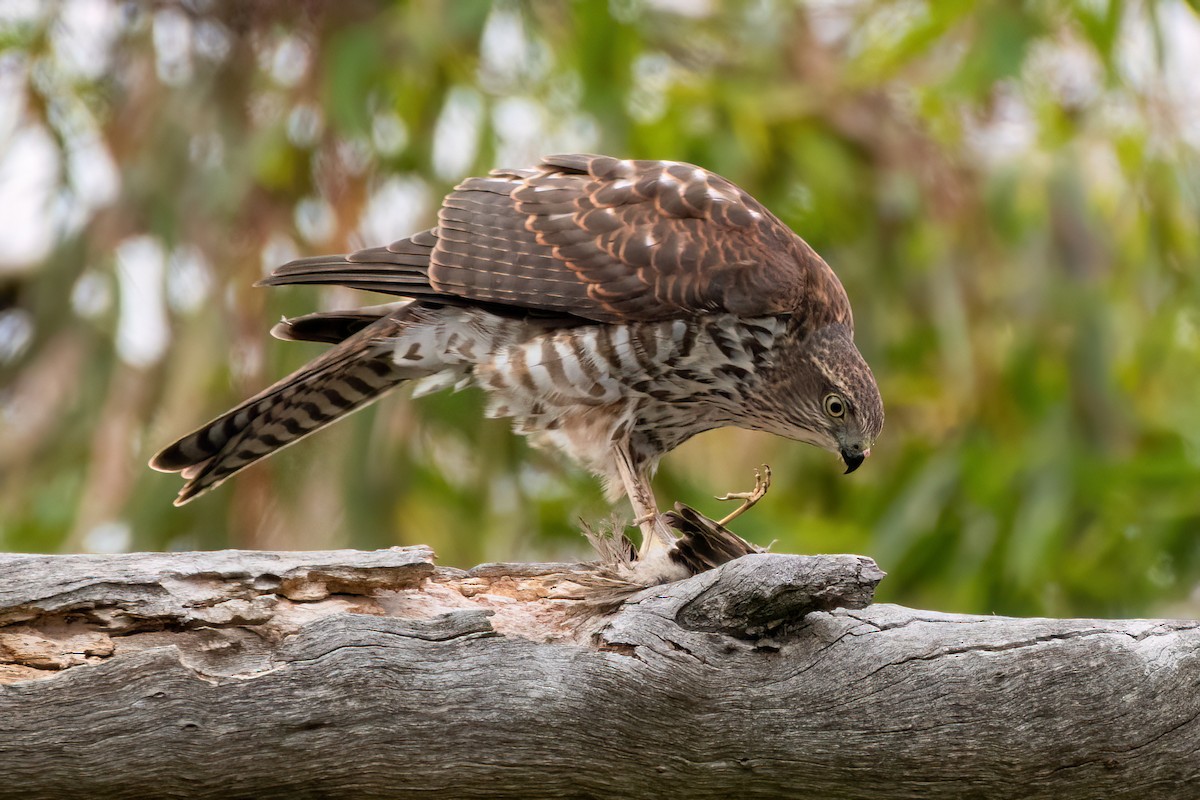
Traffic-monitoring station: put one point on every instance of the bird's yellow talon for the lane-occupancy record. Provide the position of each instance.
(762, 482)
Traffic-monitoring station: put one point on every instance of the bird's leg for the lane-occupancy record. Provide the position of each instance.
(655, 532)
(762, 482)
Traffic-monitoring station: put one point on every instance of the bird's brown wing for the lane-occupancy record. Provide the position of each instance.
(602, 239)
(400, 268)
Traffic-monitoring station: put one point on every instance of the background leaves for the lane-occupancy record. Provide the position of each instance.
(1008, 192)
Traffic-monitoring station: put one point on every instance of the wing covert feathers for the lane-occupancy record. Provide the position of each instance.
(600, 239)
(614, 240)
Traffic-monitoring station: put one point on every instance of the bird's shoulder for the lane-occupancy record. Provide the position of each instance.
(617, 239)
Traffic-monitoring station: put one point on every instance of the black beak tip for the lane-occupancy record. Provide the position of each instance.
(853, 460)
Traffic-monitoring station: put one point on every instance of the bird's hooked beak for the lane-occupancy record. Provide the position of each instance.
(854, 459)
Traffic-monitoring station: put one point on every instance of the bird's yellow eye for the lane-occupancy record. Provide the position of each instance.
(835, 406)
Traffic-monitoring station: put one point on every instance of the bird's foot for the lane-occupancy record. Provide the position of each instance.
(656, 534)
(648, 565)
(762, 482)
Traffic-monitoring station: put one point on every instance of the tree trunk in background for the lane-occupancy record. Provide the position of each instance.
(352, 674)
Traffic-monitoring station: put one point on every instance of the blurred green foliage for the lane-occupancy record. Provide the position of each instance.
(1008, 192)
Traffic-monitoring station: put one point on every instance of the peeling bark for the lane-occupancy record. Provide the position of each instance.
(363, 675)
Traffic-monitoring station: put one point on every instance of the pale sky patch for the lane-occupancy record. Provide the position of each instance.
(456, 136)
(399, 207)
(142, 331)
(29, 174)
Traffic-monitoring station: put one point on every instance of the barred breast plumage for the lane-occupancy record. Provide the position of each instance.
(611, 308)
(656, 384)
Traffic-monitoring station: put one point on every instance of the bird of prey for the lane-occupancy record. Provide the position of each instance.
(611, 308)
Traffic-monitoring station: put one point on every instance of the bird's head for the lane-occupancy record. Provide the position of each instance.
(834, 400)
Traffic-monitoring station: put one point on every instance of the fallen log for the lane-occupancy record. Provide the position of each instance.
(350, 674)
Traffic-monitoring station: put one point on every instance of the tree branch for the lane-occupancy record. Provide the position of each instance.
(364, 675)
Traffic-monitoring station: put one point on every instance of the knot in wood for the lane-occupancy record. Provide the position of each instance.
(758, 594)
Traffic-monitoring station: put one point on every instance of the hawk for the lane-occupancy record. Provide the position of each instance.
(611, 308)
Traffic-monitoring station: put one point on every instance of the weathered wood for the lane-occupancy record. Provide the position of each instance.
(365, 675)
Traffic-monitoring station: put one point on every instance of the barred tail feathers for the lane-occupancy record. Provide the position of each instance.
(332, 327)
(438, 347)
(302, 405)
(347, 377)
